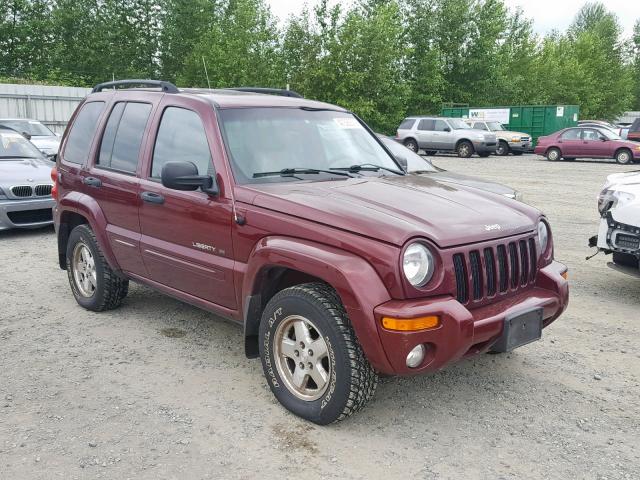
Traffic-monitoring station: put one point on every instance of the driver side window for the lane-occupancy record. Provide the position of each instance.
(181, 137)
(573, 134)
(441, 126)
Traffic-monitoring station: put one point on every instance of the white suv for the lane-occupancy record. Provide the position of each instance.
(435, 134)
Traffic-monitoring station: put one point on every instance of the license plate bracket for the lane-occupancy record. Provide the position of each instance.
(520, 329)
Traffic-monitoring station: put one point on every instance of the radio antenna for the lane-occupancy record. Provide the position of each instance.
(205, 72)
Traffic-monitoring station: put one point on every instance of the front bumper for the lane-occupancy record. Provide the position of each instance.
(32, 213)
(615, 236)
(484, 147)
(521, 146)
(463, 332)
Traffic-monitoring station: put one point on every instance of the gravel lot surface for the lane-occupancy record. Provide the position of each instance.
(161, 390)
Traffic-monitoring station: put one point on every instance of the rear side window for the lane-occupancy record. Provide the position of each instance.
(120, 147)
(407, 124)
(479, 126)
(181, 137)
(82, 132)
(426, 125)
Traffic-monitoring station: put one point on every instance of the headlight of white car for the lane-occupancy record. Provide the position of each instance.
(543, 237)
(418, 264)
(609, 199)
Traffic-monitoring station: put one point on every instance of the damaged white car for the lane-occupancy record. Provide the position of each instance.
(619, 232)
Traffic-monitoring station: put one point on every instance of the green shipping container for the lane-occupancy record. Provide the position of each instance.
(536, 120)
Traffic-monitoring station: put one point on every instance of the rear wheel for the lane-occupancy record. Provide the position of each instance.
(93, 283)
(624, 157)
(411, 144)
(553, 155)
(503, 148)
(310, 355)
(464, 149)
(625, 259)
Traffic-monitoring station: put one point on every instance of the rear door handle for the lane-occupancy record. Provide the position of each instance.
(152, 197)
(92, 181)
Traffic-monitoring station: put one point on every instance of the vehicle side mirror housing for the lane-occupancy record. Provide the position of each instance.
(447, 129)
(604, 139)
(184, 176)
(26, 135)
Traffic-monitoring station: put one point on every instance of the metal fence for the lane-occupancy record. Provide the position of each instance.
(52, 105)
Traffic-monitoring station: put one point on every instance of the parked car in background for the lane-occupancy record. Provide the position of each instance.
(37, 133)
(440, 134)
(619, 231)
(289, 217)
(415, 164)
(634, 131)
(25, 183)
(508, 142)
(587, 142)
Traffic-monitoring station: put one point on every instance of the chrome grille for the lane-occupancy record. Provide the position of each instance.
(43, 190)
(495, 270)
(22, 191)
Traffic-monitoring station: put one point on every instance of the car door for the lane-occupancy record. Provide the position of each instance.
(112, 180)
(186, 235)
(595, 145)
(424, 132)
(571, 144)
(444, 135)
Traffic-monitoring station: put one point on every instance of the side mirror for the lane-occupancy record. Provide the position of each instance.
(447, 129)
(604, 139)
(402, 161)
(26, 135)
(184, 176)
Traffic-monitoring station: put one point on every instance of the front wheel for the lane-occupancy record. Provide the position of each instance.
(93, 283)
(553, 155)
(465, 149)
(310, 355)
(624, 157)
(503, 149)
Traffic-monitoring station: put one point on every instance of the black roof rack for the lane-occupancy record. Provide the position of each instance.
(166, 87)
(268, 91)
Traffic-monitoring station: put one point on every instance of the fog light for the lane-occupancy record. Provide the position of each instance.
(416, 356)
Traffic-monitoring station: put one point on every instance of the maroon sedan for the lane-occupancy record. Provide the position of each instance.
(587, 142)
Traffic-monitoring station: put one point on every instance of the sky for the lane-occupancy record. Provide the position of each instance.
(546, 14)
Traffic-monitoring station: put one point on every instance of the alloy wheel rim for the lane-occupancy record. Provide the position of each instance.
(412, 146)
(302, 358)
(464, 150)
(623, 157)
(553, 155)
(84, 270)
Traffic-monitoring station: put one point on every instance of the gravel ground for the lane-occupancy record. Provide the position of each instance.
(161, 390)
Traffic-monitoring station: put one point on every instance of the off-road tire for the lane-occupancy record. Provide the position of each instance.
(553, 154)
(352, 381)
(464, 149)
(624, 156)
(412, 145)
(503, 148)
(625, 259)
(110, 289)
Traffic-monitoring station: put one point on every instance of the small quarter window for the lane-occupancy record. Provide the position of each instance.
(82, 132)
(407, 124)
(181, 137)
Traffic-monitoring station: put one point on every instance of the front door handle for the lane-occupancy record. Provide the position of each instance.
(92, 181)
(152, 197)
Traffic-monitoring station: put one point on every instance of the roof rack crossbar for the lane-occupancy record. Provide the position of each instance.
(268, 91)
(166, 87)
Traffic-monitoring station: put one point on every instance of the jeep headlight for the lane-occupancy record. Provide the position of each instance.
(543, 237)
(418, 264)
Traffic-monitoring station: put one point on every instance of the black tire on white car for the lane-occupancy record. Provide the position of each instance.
(625, 259)
(411, 144)
(465, 149)
(503, 148)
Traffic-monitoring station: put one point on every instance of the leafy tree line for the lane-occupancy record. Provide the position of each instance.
(383, 59)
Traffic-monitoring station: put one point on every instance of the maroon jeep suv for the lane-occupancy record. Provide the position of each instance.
(290, 217)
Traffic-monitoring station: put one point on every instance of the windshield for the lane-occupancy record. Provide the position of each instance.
(263, 142)
(609, 134)
(458, 124)
(415, 163)
(495, 126)
(14, 145)
(32, 127)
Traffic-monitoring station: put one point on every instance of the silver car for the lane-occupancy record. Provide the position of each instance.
(44, 139)
(439, 134)
(25, 183)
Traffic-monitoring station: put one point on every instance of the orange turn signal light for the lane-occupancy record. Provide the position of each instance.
(410, 324)
(565, 275)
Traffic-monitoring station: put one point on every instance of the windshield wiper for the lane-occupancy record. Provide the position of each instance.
(289, 172)
(367, 167)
